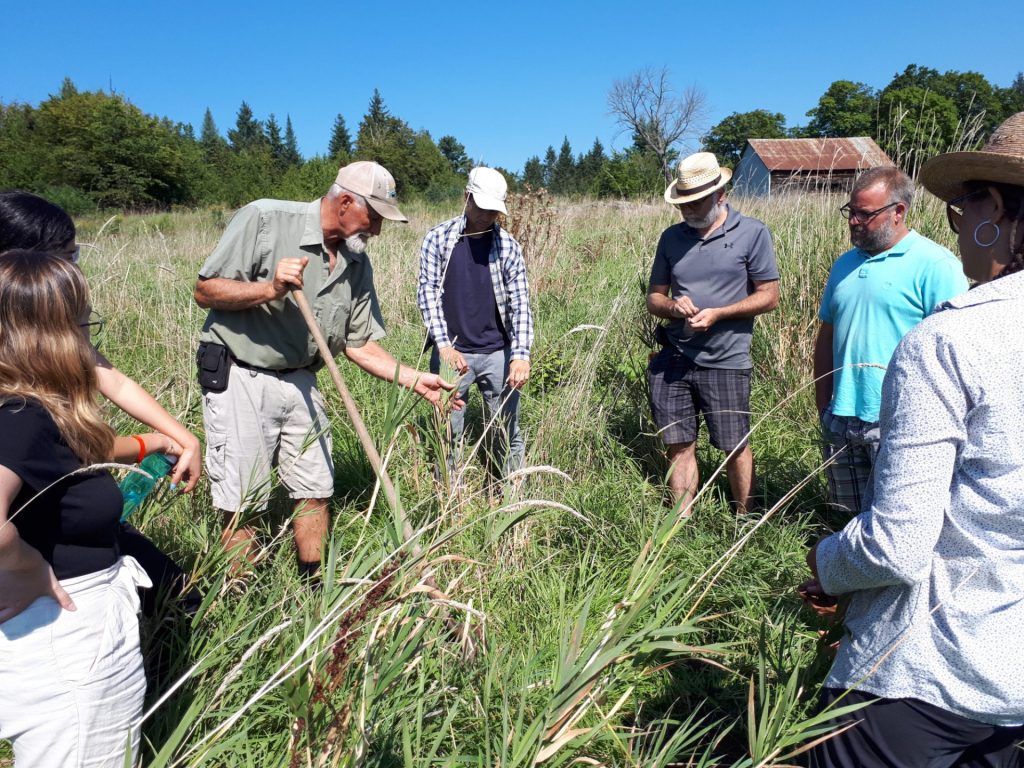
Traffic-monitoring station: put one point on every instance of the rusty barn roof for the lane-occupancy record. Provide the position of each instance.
(820, 154)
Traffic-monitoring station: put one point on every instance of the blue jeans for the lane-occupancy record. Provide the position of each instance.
(489, 371)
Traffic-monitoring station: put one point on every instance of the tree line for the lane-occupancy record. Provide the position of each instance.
(91, 149)
(920, 113)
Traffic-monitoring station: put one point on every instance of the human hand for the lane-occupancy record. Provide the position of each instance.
(704, 319)
(815, 598)
(451, 357)
(432, 387)
(518, 373)
(684, 307)
(21, 586)
(189, 465)
(288, 275)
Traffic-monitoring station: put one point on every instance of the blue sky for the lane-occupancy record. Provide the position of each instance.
(506, 79)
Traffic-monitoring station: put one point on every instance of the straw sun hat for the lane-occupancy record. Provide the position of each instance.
(1001, 160)
(697, 176)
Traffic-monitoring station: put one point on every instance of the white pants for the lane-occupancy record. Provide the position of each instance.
(72, 682)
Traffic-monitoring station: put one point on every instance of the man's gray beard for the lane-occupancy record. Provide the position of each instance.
(356, 244)
(708, 220)
(875, 241)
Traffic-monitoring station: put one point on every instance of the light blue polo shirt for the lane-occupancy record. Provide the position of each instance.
(871, 302)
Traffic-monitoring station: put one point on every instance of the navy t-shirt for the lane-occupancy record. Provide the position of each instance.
(470, 309)
(74, 523)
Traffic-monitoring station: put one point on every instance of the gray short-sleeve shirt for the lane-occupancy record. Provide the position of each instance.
(274, 335)
(715, 272)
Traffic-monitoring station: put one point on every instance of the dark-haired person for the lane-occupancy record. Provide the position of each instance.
(934, 566)
(32, 223)
(70, 667)
(890, 280)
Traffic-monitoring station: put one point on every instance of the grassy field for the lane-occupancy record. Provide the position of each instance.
(576, 620)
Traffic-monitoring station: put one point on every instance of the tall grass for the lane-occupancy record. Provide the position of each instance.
(577, 620)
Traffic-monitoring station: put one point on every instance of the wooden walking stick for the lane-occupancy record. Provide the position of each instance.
(371, 452)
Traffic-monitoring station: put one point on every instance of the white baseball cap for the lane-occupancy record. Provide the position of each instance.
(488, 188)
(372, 181)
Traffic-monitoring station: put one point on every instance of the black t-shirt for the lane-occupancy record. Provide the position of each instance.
(470, 309)
(74, 523)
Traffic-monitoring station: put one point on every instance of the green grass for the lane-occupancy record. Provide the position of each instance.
(600, 627)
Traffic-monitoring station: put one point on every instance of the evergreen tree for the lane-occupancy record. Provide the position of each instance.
(455, 153)
(589, 167)
(291, 146)
(209, 137)
(550, 159)
(273, 134)
(533, 173)
(563, 175)
(340, 145)
(248, 131)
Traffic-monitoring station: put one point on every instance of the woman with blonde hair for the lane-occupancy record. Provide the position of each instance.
(70, 667)
(934, 567)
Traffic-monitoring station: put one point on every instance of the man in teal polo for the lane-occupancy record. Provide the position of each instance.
(888, 282)
(258, 361)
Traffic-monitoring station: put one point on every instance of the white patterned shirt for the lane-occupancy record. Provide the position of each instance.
(935, 565)
(508, 278)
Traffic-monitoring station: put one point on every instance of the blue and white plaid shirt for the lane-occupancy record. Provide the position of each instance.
(508, 277)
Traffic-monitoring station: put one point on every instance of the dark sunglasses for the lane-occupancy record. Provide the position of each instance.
(955, 209)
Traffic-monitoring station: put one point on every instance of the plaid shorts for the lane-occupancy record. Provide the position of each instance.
(681, 391)
(853, 443)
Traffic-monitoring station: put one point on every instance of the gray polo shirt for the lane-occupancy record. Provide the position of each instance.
(715, 272)
(274, 335)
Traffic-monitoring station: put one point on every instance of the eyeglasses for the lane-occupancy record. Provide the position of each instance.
(72, 255)
(854, 214)
(95, 324)
(955, 209)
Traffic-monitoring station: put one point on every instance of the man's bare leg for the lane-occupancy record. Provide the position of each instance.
(310, 527)
(683, 474)
(238, 541)
(740, 471)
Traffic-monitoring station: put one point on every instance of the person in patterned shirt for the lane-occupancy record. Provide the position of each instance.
(475, 301)
(933, 569)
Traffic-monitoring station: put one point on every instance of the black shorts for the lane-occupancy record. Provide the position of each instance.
(681, 391)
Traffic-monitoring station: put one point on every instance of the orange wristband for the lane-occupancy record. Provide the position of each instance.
(142, 449)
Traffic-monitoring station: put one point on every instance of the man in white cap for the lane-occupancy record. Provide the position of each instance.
(258, 361)
(475, 301)
(712, 274)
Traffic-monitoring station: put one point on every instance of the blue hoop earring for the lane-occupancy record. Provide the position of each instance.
(991, 242)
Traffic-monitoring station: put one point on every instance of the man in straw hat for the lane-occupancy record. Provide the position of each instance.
(475, 301)
(713, 273)
(877, 291)
(932, 569)
(258, 361)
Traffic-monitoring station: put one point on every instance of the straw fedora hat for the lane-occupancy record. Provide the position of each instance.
(1001, 160)
(697, 176)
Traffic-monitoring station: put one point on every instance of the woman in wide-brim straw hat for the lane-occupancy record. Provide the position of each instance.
(934, 569)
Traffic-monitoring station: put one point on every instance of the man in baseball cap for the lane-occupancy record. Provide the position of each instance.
(475, 301)
(258, 362)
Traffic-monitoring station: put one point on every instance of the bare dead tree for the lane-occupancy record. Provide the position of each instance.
(646, 105)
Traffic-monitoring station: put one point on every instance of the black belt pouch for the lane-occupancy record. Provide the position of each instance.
(214, 363)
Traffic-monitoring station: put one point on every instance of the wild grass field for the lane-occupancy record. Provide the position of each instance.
(574, 620)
